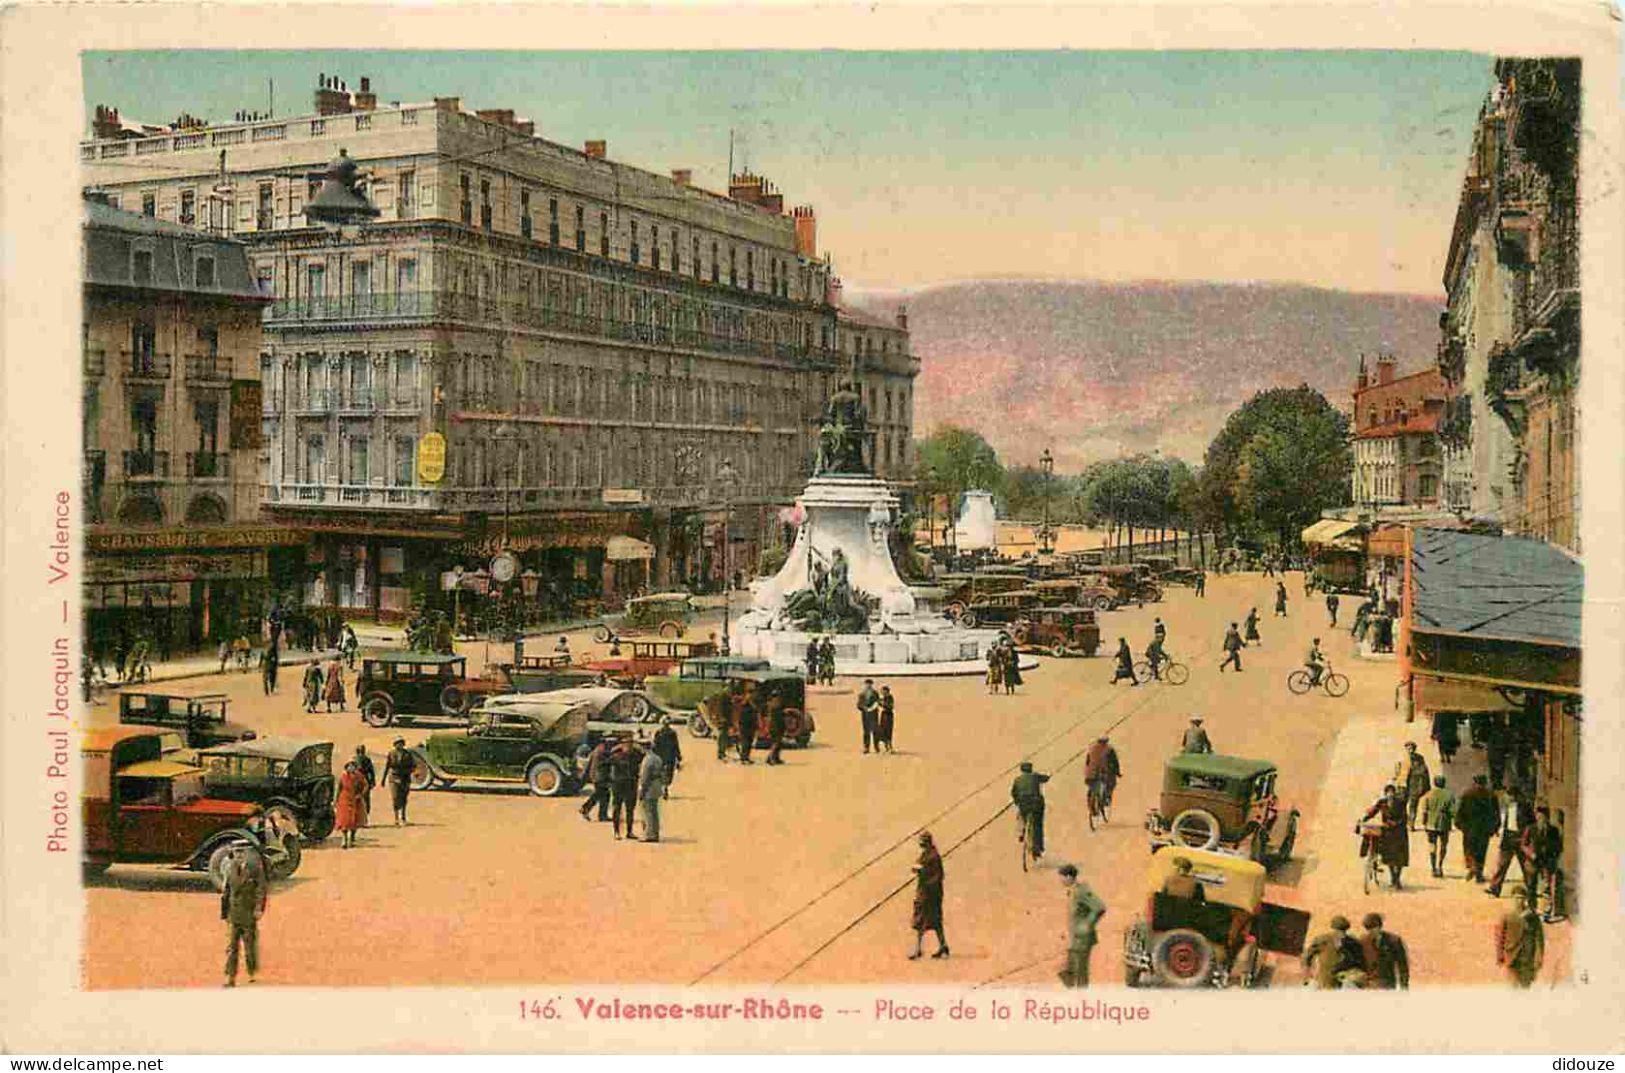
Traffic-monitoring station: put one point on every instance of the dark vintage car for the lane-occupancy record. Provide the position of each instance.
(543, 671)
(1058, 631)
(201, 720)
(1165, 570)
(526, 738)
(962, 590)
(665, 613)
(1076, 592)
(1226, 804)
(649, 657)
(1217, 941)
(406, 685)
(292, 779)
(1130, 583)
(139, 806)
(1002, 609)
(763, 687)
(689, 684)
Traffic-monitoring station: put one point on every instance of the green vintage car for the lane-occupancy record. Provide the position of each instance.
(528, 738)
(696, 680)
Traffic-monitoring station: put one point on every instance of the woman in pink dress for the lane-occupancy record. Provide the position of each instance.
(350, 807)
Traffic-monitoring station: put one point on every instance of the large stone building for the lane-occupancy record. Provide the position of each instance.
(1511, 332)
(609, 357)
(1397, 458)
(177, 552)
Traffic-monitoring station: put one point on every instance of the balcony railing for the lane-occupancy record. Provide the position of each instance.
(208, 465)
(208, 370)
(147, 365)
(314, 402)
(146, 465)
(95, 362)
(357, 404)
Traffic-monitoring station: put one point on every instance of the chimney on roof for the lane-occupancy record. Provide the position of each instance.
(365, 99)
(1361, 380)
(902, 318)
(1386, 366)
(449, 104)
(330, 99)
(597, 148)
(682, 176)
(806, 231)
(745, 187)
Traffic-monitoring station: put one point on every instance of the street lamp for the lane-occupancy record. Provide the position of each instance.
(1046, 536)
(726, 477)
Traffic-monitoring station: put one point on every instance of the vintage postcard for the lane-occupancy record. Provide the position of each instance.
(813, 529)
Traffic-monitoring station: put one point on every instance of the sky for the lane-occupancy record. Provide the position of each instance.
(1333, 169)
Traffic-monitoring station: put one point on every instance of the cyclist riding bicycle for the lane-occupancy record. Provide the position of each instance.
(1100, 767)
(1315, 662)
(1027, 791)
(1156, 657)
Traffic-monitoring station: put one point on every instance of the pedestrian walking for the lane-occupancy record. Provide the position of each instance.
(814, 672)
(1232, 649)
(1477, 815)
(1201, 583)
(1515, 821)
(651, 789)
(1195, 739)
(598, 778)
(1012, 667)
(1331, 606)
(398, 766)
(1394, 840)
(869, 709)
(1125, 664)
(624, 762)
(776, 727)
(995, 668)
(1520, 941)
(350, 803)
(1387, 966)
(1333, 955)
(313, 685)
(1547, 849)
(242, 904)
(725, 716)
(363, 763)
(1438, 813)
(746, 724)
(224, 653)
(1268, 563)
(1251, 637)
(928, 877)
(670, 750)
(1084, 910)
(888, 719)
(1446, 735)
(1412, 776)
(1280, 599)
(268, 662)
(334, 692)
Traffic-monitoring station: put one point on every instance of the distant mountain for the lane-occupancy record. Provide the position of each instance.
(1095, 369)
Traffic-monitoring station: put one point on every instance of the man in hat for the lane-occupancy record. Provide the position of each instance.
(1411, 775)
(666, 746)
(364, 764)
(651, 787)
(1027, 791)
(1516, 822)
(242, 903)
(625, 761)
(1250, 625)
(1201, 583)
(1331, 954)
(1387, 966)
(722, 710)
(1196, 739)
(1232, 649)
(1280, 598)
(1547, 849)
(1520, 940)
(1100, 765)
(597, 775)
(1314, 662)
(1438, 812)
(1331, 607)
(868, 712)
(1477, 814)
(1084, 910)
(398, 767)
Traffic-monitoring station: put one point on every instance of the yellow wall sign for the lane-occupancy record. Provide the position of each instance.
(431, 458)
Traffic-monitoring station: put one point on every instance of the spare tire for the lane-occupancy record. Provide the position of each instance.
(1183, 958)
(454, 700)
(1195, 828)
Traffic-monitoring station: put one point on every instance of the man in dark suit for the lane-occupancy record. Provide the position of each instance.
(869, 711)
(747, 718)
(242, 903)
(1546, 849)
(1386, 964)
(1516, 824)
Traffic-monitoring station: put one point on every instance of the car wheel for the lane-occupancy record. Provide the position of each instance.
(1196, 828)
(670, 629)
(601, 635)
(422, 773)
(320, 826)
(968, 620)
(288, 863)
(545, 778)
(1103, 603)
(454, 700)
(283, 815)
(1183, 958)
(378, 710)
(699, 725)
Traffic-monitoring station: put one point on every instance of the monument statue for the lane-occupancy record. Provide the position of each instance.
(829, 604)
(843, 431)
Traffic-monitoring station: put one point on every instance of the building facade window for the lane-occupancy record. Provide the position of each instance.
(552, 221)
(403, 194)
(485, 204)
(188, 207)
(603, 234)
(581, 229)
(524, 213)
(635, 252)
(405, 456)
(264, 218)
(149, 204)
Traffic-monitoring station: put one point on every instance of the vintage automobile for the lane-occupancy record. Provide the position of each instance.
(1130, 583)
(543, 671)
(1001, 609)
(665, 613)
(1076, 592)
(962, 590)
(649, 657)
(201, 720)
(1226, 804)
(405, 685)
(622, 712)
(139, 806)
(1058, 631)
(1217, 941)
(528, 738)
(291, 778)
(1165, 570)
(763, 686)
(691, 682)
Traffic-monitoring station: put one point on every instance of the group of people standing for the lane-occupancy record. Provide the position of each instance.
(1377, 960)
(1003, 665)
(352, 803)
(621, 772)
(877, 711)
(738, 715)
(821, 661)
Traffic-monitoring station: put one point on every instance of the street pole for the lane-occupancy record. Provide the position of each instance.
(725, 473)
(1047, 463)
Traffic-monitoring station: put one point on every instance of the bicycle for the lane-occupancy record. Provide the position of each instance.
(1333, 683)
(1028, 839)
(1100, 800)
(1175, 674)
(1371, 845)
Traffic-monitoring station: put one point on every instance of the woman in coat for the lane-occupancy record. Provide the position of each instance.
(995, 668)
(1394, 843)
(313, 685)
(928, 898)
(1012, 667)
(350, 806)
(335, 685)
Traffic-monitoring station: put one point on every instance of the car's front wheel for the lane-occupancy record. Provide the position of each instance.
(1183, 958)
(287, 862)
(422, 773)
(545, 778)
(699, 725)
(378, 710)
(320, 825)
(454, 700)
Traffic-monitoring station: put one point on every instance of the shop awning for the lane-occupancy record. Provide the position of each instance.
(626, 549)
(1334, 532)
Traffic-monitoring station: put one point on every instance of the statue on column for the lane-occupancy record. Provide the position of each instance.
(843, 430)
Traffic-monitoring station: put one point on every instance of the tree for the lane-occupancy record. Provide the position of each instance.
(1280, 460)
(954, 460)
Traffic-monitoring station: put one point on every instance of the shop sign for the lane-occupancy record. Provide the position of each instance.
(623, 496)
(432, 458)
(246, 415)
(177, 539)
